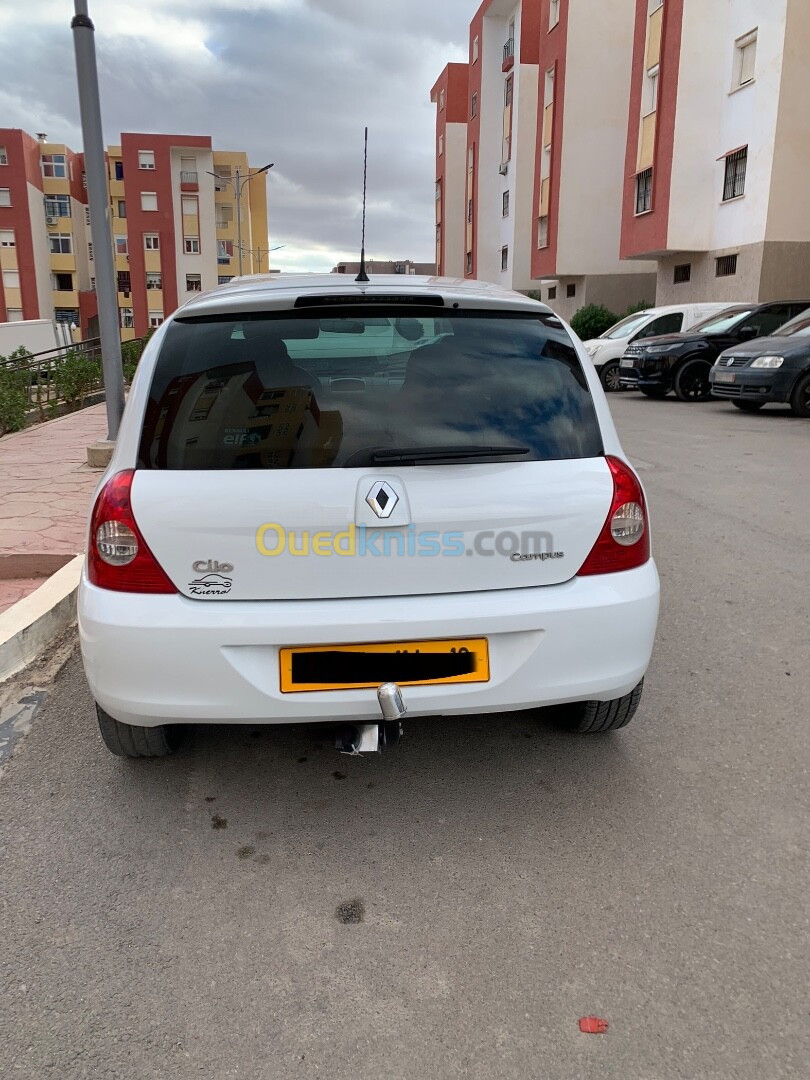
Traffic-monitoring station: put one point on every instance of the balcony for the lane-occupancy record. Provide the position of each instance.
(223, 260)
(508, 55)
(189, 181)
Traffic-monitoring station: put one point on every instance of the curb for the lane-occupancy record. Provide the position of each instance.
(33, 622)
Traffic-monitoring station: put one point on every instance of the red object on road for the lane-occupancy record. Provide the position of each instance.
(593, 1025)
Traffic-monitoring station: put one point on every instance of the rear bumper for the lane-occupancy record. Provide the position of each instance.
(156, 659)
(753, 385)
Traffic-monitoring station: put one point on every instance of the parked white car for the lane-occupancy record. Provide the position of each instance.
(333, 501)
(606, 351)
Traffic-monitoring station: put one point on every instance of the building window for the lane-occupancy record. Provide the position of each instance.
(87, 216)
(149, 200)
(189, 206)
(193, 283)
(191, 245)
(67, 315)
(224, 215)
(570, 291)
(146, 159)
(60, 243)
(542, 232)
(469, 211)
(224, 250)
(11, 279)
(121, 246)
(475, 49)
(155, 319)
(223, 279)
(57, 206)
(552, 292)
(505, 206)
(474, 105)
(468, 269)
(7, 239)
(92, 284)
(122, 208)
(14, 314)
(124, 282)
(553, 14)
(745, 60)
(644, 185)
(441, 145)
(508, 88)
(151, 241)
(505, 258)
(3, 156)
(683, 273)
(54, 166)
(127, 318)
(726, 266)
(118, 168)
(5, 196)
(437, 194)
(736, 167)
(223, 177)
(90, 251)
(62, 282)
(651, 90)
(154, 279)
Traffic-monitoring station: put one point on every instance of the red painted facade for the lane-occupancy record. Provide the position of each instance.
(647, 234)
(452, 88)
(161, 221)
(553, 52)
(23, 169)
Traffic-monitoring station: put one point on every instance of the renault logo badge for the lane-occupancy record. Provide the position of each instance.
(382, 499)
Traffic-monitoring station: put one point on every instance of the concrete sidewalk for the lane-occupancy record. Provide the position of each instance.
(45, 491)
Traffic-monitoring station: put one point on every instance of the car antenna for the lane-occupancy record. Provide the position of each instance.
(363, 276)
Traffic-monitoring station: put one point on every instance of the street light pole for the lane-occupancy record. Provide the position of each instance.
(96, 173)
(238, 183)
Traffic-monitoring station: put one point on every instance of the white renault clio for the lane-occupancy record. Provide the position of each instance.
(339, 501)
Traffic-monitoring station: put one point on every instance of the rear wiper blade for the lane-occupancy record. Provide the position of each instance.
(406, 456)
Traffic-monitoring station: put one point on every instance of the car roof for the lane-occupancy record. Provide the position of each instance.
(281, 291)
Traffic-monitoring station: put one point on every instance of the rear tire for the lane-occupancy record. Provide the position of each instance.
(748, 406)
(692, 381)
(129, 741)
(609, 375)
(800, 398)
(653, 391)
(594, 717)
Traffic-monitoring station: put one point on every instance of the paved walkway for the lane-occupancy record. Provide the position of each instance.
(45, 490)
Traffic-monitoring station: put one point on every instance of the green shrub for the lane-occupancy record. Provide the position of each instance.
(131, 352)
(592, 320)
(76, 376)
(13, 399)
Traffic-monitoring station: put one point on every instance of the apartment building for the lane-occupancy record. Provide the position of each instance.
(547, 94)
(450, 95)
(385, 266)
(586, 48)
(173, 217)
(718, 150)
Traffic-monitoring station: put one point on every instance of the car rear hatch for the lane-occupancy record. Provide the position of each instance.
(367, 452)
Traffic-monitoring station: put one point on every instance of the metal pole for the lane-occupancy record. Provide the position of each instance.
(239, 218)
(96, 172)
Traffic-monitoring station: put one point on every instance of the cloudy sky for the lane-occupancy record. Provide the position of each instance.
(290, 81)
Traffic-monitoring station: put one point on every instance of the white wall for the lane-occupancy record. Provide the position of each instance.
(711, 120)
(522, 173)
(42, 256)
(596, 108)
(204, 264)
(490, 225)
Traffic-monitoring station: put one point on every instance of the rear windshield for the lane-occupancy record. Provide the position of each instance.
(364, 387)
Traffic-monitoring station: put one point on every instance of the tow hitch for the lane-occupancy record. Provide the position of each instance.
(357, 739)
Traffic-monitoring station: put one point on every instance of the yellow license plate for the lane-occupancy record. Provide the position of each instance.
(409, 663)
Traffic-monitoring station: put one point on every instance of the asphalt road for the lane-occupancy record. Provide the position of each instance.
(179, 918)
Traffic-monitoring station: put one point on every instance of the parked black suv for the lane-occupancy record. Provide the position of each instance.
(769, 369)
(682, 362)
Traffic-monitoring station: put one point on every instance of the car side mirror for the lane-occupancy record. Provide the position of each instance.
(749, 332)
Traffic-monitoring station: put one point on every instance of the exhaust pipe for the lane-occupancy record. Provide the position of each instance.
(359, 739)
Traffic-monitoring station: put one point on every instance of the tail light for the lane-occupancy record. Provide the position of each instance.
(624, 542)
(118, 557)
